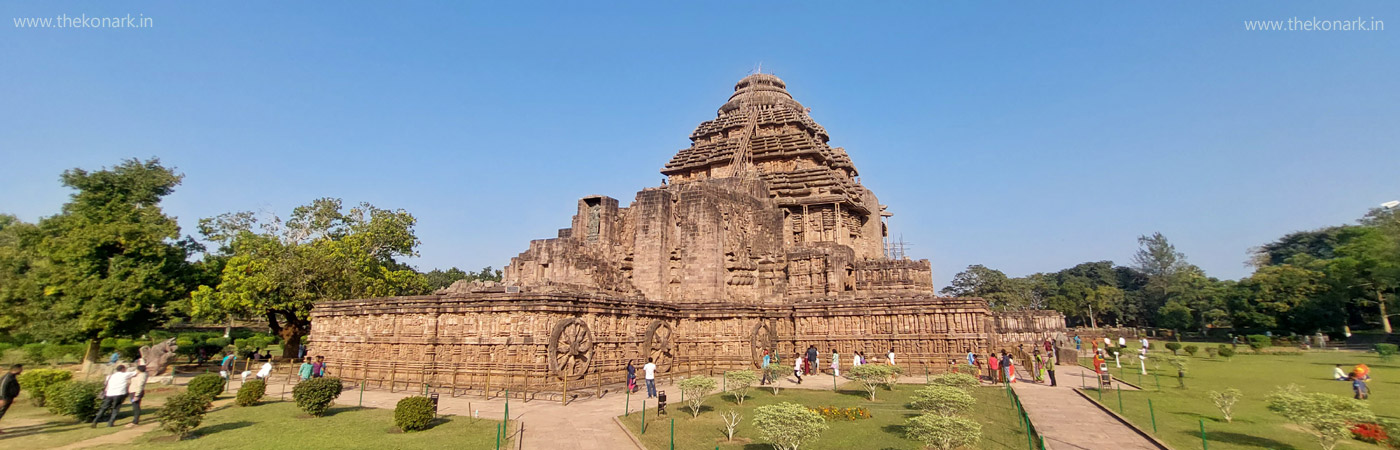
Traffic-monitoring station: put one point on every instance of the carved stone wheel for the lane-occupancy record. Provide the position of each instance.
(764, 338)
(659, 344)
(570, 349)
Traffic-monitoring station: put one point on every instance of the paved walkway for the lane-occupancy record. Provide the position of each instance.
(1069, 421)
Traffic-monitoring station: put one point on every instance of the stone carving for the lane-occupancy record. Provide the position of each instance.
(657, 344)
(761, 237)
(157, 357)
(570, 349)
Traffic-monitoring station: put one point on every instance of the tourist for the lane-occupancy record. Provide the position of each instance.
(304, 372)
(1359, 388)
(1048, 346)
(114, 393)
(1037, 367)
(1122, 342)
(857, 359)
(1145, 345)
(137, 390)
(631, 377)
(649, 370)
(835, 363)
(1338, 374)
(1100, 364)
(891, 356)
(811, 359)
(226, 366)
(267, 355)
(1076, 343)
(1051, 359)
(797, 366)
(1107, 342)
(1010, 369)
(265, 371)
(9, 388)
(764, 368)
(318, 370)
(115, 357)
(1005, 367)
(994, 368)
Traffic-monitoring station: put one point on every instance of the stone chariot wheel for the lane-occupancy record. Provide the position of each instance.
(764, 338)
(659, 344)
(570, 349)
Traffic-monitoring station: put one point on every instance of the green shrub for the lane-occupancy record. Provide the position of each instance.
(160, 335)
(1212, 351)
(182, 413)
(966, 369)
(943, 432)
(1225, 351)
(942, 399)
(1259, 342)
(1173, 346)
(208, 385)
(250, 392)
(1386, 351)
(1191, 349)
(414, 413)
(958, 380)
(58, 353)
(36, 382)
(788, 425)
(315, 395)
(874, 376)
(76, 399)
(34, 353)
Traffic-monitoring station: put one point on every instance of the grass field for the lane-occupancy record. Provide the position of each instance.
(884, 430)
(29, 426)
(1179, 412)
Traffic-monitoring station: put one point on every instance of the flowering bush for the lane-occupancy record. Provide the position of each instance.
(831, 413)
(1369, 432)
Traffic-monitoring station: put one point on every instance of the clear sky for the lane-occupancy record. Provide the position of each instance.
(1026, 136)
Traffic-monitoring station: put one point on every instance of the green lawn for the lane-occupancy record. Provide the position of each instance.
(1179, 412)
(29, 426)
(884, 430)
(282, 425)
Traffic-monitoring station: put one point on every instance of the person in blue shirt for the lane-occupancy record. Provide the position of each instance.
(226, 366)
(766, 360)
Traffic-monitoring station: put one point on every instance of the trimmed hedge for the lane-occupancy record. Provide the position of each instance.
(36, 382)
(182, 413)
(251, 392)
(414, 413)
(207, 385)
(76, 399)
(315, 395)
(1259, 342)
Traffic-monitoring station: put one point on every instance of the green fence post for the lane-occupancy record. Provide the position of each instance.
(627, 409)
(1204, 444)
(1030, 442)
(833, 381)
(1100, 389)
(362, 393)
(673, 433)
(1153, 412)
(1120, 397)
(506, 420)
(644, 417)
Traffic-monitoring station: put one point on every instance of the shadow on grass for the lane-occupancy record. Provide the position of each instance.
(895, 429)
(1240, 439)
(38, 428)
(205, 431)
(862, 393)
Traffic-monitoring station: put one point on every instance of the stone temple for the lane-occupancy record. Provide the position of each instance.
(760, 238)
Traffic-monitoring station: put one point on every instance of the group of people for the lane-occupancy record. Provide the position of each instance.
(120, 386)
(648, 370)
(1358, 377)
(310, 368)
(1001, 368)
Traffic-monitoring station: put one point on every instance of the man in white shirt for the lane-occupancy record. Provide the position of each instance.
(650, 370)
(265, 371)
(113, 394)
(1122, 342)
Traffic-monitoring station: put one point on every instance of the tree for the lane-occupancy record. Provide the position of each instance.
(438, 279)
(940, 432)
(1276, 296)
(731, 423)
(322, 252)
(695, 389)
(106, 265)
(788, 425)
(738, 383)
(942, 400)
(1226, 402)
(1174, 316)
(1327, 417)
(1162, 265)
(873, 376)
(1374, 258)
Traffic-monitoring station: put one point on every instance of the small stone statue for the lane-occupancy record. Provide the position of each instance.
(157, 357)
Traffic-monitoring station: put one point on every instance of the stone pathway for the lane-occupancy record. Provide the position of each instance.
(1069, 421)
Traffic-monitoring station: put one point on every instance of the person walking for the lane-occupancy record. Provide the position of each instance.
(835, 363)
(811, 359)
(137, 390)
(631, 377)
(1005, 367)
(265, 371)
(304, 372)
(318, 370)
(891, 356)
(113, 394)
(1037, 365)
(226, 365)
(9, 389)
(1076, 343)
(764, 368)
(1050, 361)
(797, 364)
(649, 370)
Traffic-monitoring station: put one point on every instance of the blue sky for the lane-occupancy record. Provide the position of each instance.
(1026, 136)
